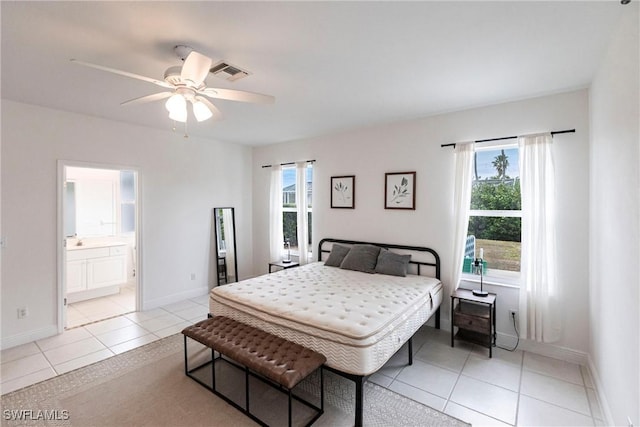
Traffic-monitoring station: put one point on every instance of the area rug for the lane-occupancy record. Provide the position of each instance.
(147, 387)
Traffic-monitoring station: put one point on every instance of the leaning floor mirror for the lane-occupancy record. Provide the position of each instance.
(225, 245)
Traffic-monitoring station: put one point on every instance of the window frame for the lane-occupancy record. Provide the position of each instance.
(286, 207)
(493, 276)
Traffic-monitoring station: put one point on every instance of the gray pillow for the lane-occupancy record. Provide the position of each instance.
(338, 252)
(392, 264)
(361, 258)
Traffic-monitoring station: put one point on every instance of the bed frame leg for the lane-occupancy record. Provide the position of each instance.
(438, 318)
(359, 400)
(410, 342)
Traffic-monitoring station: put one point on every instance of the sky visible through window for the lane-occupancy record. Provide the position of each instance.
(289, 176)
(485, 160)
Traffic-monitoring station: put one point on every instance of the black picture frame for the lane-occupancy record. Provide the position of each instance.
(343, 192)
(400, 190)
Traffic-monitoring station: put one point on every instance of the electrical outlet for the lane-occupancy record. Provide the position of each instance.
(193, 276)
(513, 313)
(23, 312)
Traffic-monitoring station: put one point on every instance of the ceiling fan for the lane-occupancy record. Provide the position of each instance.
(186, 84)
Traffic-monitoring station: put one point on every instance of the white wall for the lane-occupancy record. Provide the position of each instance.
(614, 224)
(415, 146)
(181, 180)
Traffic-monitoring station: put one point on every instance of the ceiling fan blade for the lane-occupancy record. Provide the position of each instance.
(238, 95)
(214, 110)
(148, 98)
(195, 68)
(124, 73)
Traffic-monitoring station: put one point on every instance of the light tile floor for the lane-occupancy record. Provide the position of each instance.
(513, 388)
(37, 361)
(96, 309)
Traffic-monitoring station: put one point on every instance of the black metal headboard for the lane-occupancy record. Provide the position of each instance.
(435, 263)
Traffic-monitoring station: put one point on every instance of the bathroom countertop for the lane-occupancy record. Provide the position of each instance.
(92, 245)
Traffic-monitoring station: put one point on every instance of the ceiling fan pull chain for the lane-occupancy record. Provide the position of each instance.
(186, 135)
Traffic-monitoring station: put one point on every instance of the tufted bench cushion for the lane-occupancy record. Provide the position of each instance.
(275, 358)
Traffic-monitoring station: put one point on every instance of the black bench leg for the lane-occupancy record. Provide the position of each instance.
(246, 388)
(186, 367)
(321, 389)
(289, 407)
(213, 370)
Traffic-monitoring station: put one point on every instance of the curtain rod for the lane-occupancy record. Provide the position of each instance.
(288, 163)
(509, 137)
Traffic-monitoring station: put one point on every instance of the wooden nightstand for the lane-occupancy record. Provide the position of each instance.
(475, 318)
(283, 265)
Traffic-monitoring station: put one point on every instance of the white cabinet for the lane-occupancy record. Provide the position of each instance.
(95, 271)
(76, 275)
(107, 271)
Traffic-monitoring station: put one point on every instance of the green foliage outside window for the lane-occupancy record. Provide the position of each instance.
(290, 220)
(491, 195)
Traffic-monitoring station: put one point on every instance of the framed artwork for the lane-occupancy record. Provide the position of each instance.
(343, 192)
(400, 190)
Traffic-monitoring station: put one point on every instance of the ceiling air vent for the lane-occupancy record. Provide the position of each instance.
(228, 72)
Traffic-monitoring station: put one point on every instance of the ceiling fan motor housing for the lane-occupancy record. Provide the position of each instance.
(172, 75)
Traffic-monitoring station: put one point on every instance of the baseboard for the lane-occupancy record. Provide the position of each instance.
(602, 398)
(170, 299)
(544, 349)
(27, 337)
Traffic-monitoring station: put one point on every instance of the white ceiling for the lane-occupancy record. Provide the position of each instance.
(332, 66)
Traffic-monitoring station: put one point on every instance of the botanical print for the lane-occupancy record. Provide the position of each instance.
(400, 190)
(343, 192)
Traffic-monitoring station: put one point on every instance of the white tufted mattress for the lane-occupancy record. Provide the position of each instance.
(357, 320)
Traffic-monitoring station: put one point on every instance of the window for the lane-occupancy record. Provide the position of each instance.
(127, 202)
(289, 208)
(495, 217)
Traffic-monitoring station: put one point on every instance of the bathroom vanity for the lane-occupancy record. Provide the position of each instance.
(95, 270)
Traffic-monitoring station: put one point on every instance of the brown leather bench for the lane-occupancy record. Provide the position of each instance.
(263, 355)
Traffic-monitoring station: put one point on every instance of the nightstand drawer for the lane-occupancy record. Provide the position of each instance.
(471, 322)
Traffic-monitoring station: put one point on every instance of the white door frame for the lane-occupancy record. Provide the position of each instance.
(60, 246)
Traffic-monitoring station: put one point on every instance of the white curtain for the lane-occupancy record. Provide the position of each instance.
(276, 236)
(302, 206)
(464, 155)
(539, 293)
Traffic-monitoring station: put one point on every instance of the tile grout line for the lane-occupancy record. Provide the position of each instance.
(448, 400)
(551, 403)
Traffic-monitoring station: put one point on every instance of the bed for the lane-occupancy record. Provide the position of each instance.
(356, 319)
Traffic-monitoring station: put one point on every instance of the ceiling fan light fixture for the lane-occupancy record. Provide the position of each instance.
(179, 115)
(201, 111)
(176, 103)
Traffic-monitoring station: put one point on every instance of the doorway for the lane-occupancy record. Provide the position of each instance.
(99, 251)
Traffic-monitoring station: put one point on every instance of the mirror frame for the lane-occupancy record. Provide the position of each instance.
(215, 233)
